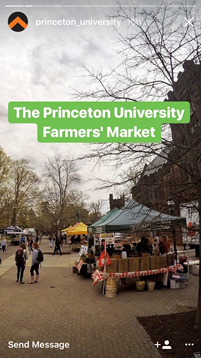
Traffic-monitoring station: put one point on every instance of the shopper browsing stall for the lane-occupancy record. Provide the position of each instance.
(164, 245)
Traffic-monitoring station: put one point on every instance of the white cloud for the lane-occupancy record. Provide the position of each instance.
(43, 63)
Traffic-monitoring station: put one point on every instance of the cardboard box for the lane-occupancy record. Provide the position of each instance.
(122, 265)
(170, 258)
(116, 256)
(144, 263)
(163, 261)
(155, 262)
(113, 267)
(133, 264)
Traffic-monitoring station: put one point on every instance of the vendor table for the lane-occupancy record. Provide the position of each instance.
(75, 247)
(15, 242)
(99, 276)
(86, 269)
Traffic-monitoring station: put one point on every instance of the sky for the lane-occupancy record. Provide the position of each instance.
(45, 63)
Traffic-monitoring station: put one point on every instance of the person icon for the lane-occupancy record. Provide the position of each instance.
(166, 346)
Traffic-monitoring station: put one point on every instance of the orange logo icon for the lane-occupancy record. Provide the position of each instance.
(17, 21)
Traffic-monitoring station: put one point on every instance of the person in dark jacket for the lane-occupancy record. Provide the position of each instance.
(30, 242)
(20, 258)
(57, 246)
(144, 246)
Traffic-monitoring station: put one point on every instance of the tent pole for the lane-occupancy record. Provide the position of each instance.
(104, 270)
(188, 262)
(175, 245)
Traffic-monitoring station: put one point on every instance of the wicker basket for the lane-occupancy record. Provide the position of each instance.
(151, 285)
(140, 285)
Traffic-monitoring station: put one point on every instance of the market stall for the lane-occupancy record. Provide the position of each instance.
(86, 268)
(15, 232)
(78, 229)
(99, 276)
(66, 230)
(135, 216)
(87, 263)
(94, 227)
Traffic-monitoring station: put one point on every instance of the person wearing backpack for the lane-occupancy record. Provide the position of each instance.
(21, 256)
(37, 258)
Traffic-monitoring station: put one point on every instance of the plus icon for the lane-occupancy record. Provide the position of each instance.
(157, 344)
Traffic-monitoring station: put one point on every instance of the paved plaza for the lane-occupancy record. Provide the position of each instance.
(65, 307)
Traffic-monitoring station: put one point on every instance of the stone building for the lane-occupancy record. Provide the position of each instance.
(164, 184)
(116, 203)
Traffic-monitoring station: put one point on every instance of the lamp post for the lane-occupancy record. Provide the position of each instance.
(78, 216)
(171, 207)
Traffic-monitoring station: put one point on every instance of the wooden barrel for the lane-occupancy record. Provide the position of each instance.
(111, 287)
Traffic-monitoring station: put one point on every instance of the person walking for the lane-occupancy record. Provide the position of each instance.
(50, 241)
(3, 244)
(22, 239)
(57, 246)
(30, 242)
(21, 256)
(34, 264)
(54, 239)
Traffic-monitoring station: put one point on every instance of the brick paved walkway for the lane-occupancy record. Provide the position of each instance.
(64, 307)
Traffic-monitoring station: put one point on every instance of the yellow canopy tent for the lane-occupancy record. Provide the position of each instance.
(79, 229)
(67, 228)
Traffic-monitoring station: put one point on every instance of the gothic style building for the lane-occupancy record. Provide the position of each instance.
(164, 184)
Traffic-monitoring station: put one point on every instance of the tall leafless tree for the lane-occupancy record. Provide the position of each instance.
(156, 42)
(23, 184)
(60, 175)
(5, 200)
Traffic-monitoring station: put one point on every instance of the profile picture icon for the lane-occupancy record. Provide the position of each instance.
(18, 21)
(166, 345)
